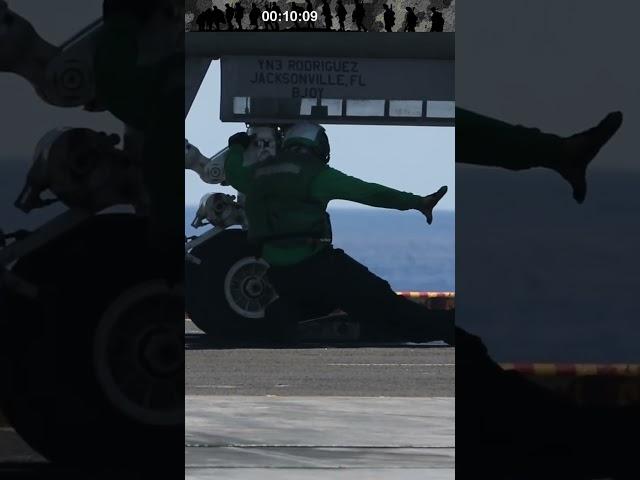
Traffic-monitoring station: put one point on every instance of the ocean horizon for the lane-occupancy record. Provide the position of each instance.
(398, 246)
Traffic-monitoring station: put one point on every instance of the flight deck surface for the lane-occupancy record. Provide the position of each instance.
(341, 411)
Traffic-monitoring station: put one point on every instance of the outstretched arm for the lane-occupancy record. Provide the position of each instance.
(235, 172)
(331, 184)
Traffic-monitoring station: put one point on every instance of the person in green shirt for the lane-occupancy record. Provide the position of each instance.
(286, 201)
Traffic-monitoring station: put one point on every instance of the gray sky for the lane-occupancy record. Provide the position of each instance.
(559, 66)
(414, 159)
(31, 118)
(539, 277)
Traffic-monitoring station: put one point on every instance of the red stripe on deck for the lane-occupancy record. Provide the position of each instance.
(427, 294)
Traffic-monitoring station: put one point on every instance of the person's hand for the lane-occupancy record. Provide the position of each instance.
(241, 138)
(430, 201)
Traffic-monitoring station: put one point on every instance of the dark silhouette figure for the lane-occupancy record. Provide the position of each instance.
(579, 441)
(268, 24)
(328, 271)
(309, 8)
(358, 16)
(239, 14)
(389, 18)
(523, 420)
(326, 13)
(341, 13)
(411, 19)
(437, 20)
(201, 21)
(208, 18)
(228, 13)
(217, 17)
(254, 15)
(298, 10)
(276, 8)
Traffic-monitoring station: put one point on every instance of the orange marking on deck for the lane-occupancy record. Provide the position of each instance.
(413, 294)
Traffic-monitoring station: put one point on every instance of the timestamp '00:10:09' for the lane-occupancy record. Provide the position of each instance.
(293, 16)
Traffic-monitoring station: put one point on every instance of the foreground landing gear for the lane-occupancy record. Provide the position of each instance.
(93, 368)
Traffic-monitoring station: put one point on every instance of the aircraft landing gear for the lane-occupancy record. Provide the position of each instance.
(98, 353)
(227, 292)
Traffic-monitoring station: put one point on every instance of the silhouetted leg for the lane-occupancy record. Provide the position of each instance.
(283, 316)
(299, 293)
(506, 421)
(333, 279)
(481, 140)
(371, 300)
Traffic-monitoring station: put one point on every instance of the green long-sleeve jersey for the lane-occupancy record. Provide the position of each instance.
(329, 184)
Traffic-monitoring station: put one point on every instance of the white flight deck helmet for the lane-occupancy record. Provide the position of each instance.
(82, 168)
(265, 144)
(310, 135)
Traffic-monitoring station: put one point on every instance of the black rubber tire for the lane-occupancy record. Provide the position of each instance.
(50, 393)
(206, 303)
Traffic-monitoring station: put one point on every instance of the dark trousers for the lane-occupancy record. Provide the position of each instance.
(331, 279)
(513, 147)
(509, 427)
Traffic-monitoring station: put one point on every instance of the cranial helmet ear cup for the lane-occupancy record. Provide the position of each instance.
(323, 149)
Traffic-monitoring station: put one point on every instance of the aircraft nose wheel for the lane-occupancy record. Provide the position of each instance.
(139, 354)
(226, 295)
(246, 288)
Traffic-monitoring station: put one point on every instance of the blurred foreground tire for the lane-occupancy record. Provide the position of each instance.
(94, 368)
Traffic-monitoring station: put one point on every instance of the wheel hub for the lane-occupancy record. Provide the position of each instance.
(139, 354)
(162, 353)
(253, 286)
(247, 289)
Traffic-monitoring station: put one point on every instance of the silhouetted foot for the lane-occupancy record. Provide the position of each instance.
(430, 201)
(582, 148)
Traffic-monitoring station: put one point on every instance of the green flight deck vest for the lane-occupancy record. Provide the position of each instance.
(279, 207)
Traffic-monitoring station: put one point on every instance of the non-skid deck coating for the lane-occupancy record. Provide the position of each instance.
(319, 437)
(343, 412)
(357, 370)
